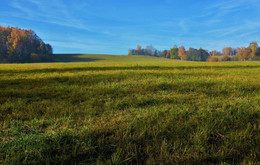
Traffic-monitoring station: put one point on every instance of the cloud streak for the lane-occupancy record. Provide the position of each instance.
(40, 11)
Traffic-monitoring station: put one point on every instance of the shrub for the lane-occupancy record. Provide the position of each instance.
(256, 58)
(234, 58)
(212, 59)
(35, 57)
(197, 55)
(225, 58)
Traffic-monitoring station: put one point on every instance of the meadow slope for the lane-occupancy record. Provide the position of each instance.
(129, 110)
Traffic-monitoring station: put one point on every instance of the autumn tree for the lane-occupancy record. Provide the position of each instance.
(246, 54)
(168, 55)
(4, 33)
(182, 54)
(240, 53)
(17, 45)
(164, 53)
(253, 48)
(174, 53)
(139, 50)
(213, 53)
(227, 51)
(192, 54)
(131, 52)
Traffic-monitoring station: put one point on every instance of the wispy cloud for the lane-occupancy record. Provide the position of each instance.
(245, 27)
(183, 26)
(223, 8)
(42, 11)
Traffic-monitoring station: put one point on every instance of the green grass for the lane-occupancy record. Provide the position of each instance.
(130, 110)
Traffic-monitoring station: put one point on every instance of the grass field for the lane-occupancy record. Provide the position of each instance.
(129, 110)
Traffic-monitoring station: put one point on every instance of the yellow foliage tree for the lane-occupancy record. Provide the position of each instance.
(253, 47)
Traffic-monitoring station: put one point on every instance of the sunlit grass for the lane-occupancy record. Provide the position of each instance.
(118, 112)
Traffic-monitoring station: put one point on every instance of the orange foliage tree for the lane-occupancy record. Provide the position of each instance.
(139, 50)
(248, 53)
(182, 54)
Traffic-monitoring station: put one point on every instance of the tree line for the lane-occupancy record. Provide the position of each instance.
(21, 45)
(252, 52)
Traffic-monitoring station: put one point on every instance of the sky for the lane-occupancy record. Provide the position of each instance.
(115, 26)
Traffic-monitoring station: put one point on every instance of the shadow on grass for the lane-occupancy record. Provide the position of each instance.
(73, 58)
(43, 88)
(109, 68)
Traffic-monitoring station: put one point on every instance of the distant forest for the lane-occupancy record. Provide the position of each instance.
(252, 52)
(19, 45)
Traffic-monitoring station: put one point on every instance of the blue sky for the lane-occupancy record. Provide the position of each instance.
(114, 26)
